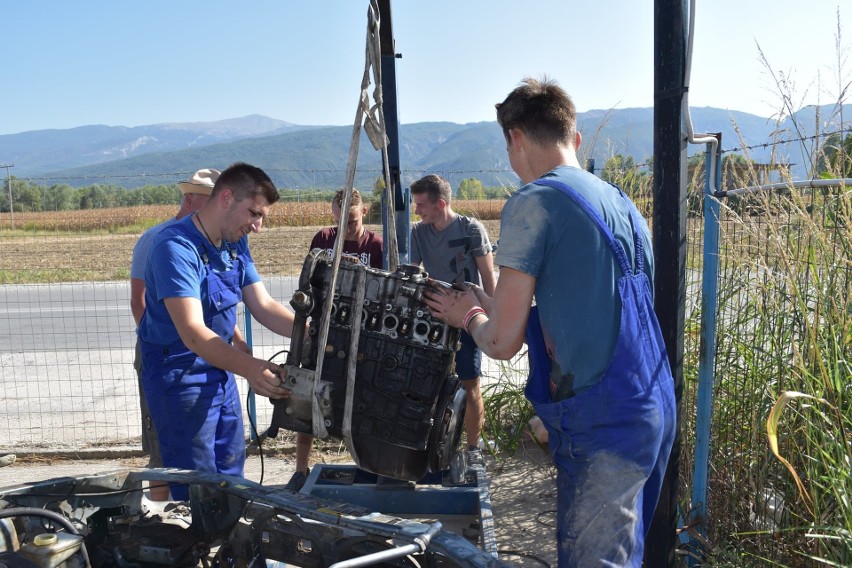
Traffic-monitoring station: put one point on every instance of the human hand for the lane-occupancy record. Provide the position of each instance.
(485, 301)
(449, 304)
(269, 381)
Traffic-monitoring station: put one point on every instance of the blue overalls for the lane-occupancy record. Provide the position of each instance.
(610, 442)
(195, 406)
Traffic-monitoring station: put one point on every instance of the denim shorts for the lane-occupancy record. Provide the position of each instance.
(468, 358)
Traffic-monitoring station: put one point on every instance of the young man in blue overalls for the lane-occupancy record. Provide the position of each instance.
(600, 379)
(198, 270)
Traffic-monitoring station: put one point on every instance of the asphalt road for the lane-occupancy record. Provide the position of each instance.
(89, 315)
(66, 364)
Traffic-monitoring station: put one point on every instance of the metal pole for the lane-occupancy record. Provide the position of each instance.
(707, 356)
(9, 183)
(391, 116)
(252, 403)
(669, 226)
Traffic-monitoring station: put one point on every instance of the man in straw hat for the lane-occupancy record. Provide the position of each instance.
(196, 192)
(199, 269)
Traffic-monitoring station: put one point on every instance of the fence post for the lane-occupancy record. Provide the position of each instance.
(669, 236)
(252, 405)
(707, 355)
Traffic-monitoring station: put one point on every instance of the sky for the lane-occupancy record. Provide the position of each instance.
(138, 62)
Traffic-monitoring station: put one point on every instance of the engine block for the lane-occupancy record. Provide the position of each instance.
(407, 404)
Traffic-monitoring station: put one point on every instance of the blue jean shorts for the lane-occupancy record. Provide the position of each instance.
(468, 358)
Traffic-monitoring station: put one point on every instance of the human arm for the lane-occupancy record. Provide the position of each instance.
(188, 318)
(270, 313)
(138, 264)
(239, 342)
(485, 266)
(137, 299)
(500, 334)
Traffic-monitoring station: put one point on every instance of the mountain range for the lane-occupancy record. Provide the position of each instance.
(315, 156)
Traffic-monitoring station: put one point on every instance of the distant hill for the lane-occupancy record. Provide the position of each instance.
(300, 156)
(40, 151)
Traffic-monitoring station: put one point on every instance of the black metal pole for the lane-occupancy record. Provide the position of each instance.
(669, 232)
(391, 115)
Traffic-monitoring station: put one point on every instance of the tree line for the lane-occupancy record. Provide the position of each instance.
(622, 170)
(28, 196)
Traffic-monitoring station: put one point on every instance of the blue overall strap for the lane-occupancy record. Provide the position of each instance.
(538, 385)
(595, 216)
(537, 388)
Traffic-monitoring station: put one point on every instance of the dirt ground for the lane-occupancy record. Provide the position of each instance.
(522, 488)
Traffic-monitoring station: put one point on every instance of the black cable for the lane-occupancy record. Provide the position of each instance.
(522, 554)
(279, 353)
(253, 424)
(64, 496)
(547, 524)
(256, 437)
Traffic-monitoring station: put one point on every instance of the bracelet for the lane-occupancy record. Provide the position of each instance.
(468, 317)
(467, 327)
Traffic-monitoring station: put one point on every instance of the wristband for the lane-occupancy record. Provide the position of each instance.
(468, 317)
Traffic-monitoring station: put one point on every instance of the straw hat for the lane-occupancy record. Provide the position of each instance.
(201, 183)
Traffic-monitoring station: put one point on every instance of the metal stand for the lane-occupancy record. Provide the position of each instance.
(462, 508)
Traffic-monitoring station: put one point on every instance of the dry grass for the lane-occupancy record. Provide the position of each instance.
(104, 255)
(133, 219)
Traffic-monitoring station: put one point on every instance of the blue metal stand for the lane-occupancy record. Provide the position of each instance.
(463, 508)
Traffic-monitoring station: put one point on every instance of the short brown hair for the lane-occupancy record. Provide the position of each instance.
(434, 186)
(354, 201)
(245, 181)
(542, 110)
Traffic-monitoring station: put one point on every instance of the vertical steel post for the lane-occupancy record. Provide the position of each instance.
(707, 355)
(403, 225)
(391, 115)
(252, 405)
(669, 232)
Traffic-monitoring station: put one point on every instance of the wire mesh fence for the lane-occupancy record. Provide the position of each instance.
(784, 325)
(67, 335)
(67, 338)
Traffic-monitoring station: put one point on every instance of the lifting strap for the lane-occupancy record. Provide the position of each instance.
(373, 121)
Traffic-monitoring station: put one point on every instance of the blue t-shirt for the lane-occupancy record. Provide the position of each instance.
(143, 245)
(543, 233)
(176, 269)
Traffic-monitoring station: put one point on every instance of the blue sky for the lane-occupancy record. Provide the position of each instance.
(137, 62)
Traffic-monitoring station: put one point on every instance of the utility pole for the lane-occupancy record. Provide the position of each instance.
(669, 245)
(9, 183)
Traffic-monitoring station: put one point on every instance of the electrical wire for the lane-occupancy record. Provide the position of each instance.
(256, 437)
(253, 424)
(523, 554)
